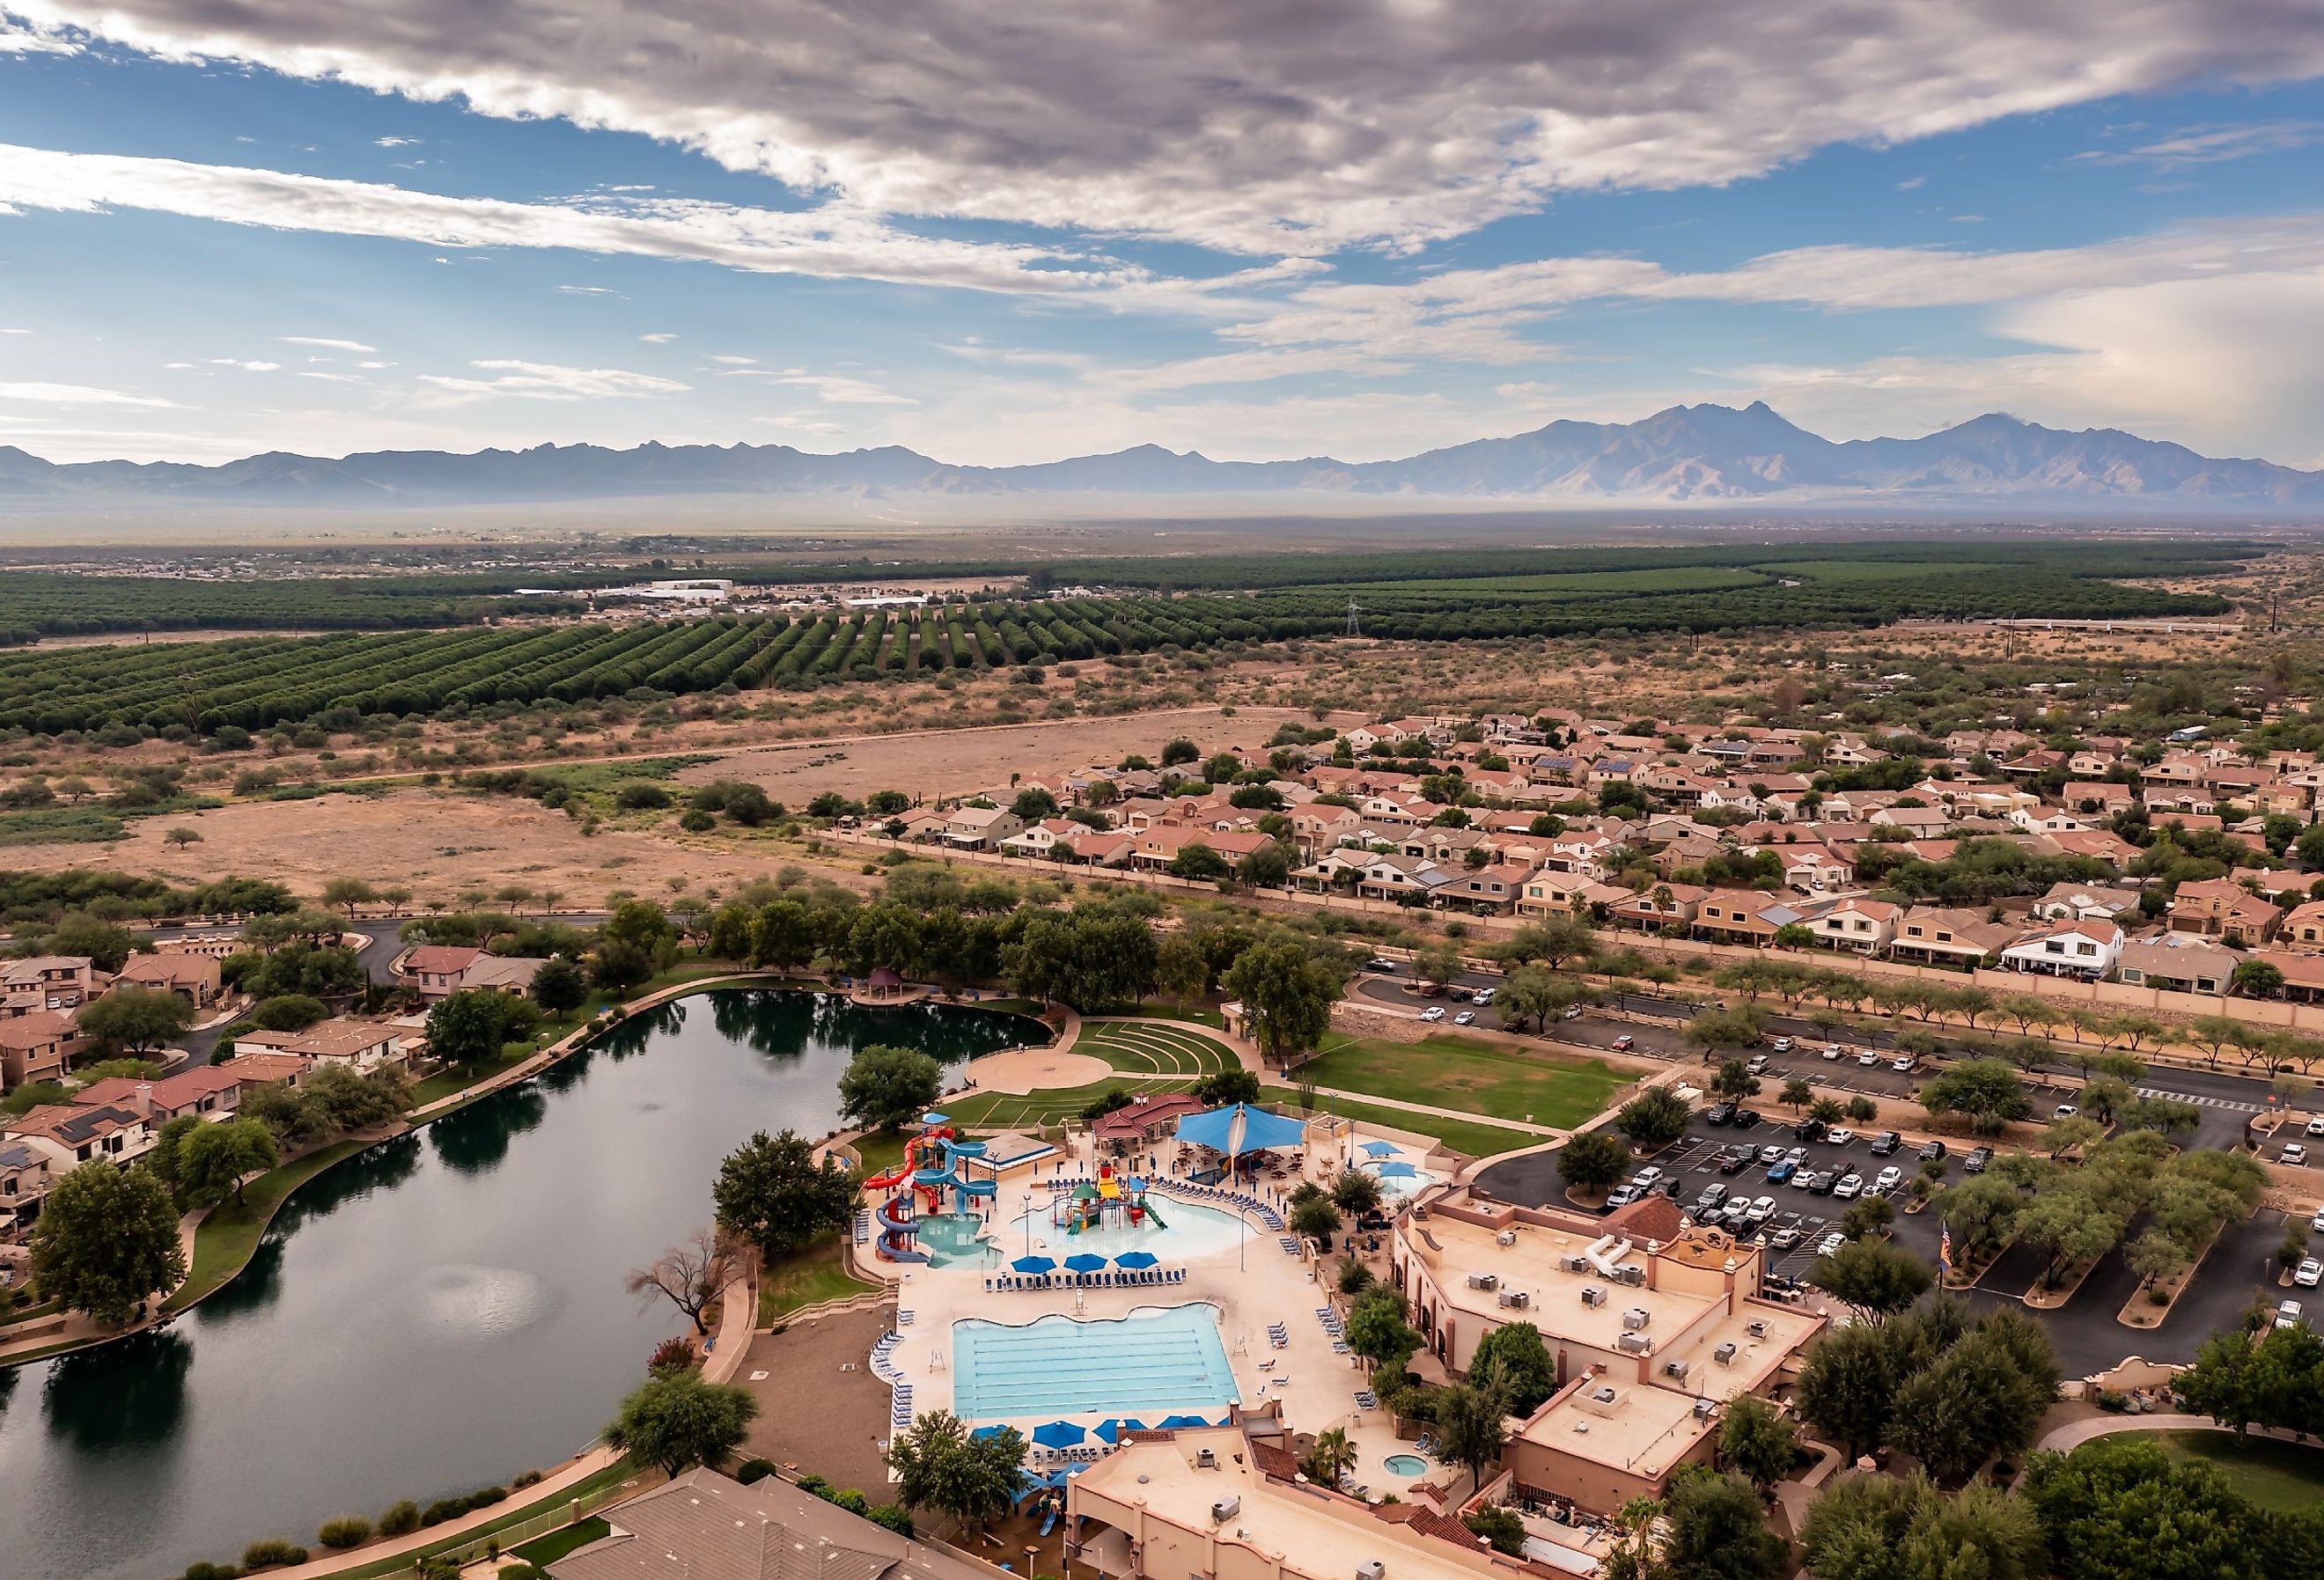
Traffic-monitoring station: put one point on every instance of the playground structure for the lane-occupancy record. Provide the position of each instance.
(1115, 1197)
(931, 1167)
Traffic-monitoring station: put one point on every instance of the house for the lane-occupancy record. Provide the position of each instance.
(1489, 890)
(1944, 937)
(1862, 926)
(2179, 962)
(25, 1177)
(265, 1067)
(2086, 950)
(2302, 927)
(1400, 877)
(704, 1526)
(2222, 907)
(1738, 916)
(362, 1046)
(1095, 847)
(2099, 798)
(509, 974)
(194, 977)
(920, 825)
(2085, 901)
(36, 1047)
(70, 1134)
(433, 970)
(205, 1092)
(981, 827)
(1665, 905)
(46, 982)
(1041, 840)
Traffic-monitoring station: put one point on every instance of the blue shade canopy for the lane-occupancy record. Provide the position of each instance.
(1136, 1259)
(1398, 1169)
(1112, 1429)
(987, 1431)
(1378, 1149)
(1169, 1422)
(1086, 1261)
(1059, 1434)
(1032, 1264)
(1240, 1128)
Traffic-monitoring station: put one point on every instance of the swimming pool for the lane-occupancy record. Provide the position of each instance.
(1177, 1232)
(1405, 1465)
(1149, 1364)
(1393, 1186)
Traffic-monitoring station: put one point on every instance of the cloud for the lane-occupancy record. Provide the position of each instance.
(541, 381)
(732, 360)
(76, 395)
(393, 142)
(663, 338)
(831, 389)
(1258, 126)
(320, 344)
(245, 366)
(588, 290)
(829, 241)
(2213, 145)
(18, 38)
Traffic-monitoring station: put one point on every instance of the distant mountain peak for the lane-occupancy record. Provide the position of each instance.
(1705, 453)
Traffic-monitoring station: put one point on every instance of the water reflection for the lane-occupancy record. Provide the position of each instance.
(127, 1395)
(476, 1139)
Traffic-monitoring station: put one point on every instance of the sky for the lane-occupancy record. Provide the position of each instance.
(1000, 231)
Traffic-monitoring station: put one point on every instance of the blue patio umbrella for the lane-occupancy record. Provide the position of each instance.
(1398, 1169)
(1111, 1430)
(1378, 1149)
(987, 1431)
(1087, 1262)
(1169, 1422)
(1136, 1259)
(1032, 1264)
(1059, 1434)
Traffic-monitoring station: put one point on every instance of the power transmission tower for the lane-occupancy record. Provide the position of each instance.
(1354, 626)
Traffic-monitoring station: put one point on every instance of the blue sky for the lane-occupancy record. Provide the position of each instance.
(1007, 232)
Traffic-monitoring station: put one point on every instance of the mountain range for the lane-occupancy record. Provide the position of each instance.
(1686, 455)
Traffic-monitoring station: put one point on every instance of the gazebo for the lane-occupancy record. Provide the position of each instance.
(884, 983)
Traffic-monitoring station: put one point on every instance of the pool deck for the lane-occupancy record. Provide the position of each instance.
(1251, 1285)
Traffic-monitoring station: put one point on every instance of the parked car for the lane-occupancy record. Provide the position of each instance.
(1831, 1050)
(1868, 1057)
(1782, 1170)
(1745, 1118)
(1465, 1018)
(2317, 1223)
(1782, 1044)
(1885, 1142)
(1621, 1195)
(1825, 1180)
(1889, 1179)
(1735, 1213)
(2287, 1313)
(1720, 1114)
(2316, 1126)
(1804, 1179)
(1933, 1151)
(1756, 1063)
(2295, 1153)
(2308, 1273)
(1840, 1137)
(1773, 1153)
(1797, 1154)
(1847, 1187)
(1625, 1042)
(1784, 1238)
(1484, 996)
(1646, 1176)
(1831, 1243)
(1380, 963)
(1573, 1012)
(1901, 1063)
(1978, 1157)
(1432, 1013)
(1713, 1195)
(1809, 1130)
(2064, 1111)
(1734, 1160)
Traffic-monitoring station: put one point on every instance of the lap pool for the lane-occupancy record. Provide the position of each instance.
(1176, 1231)
(1149, 1364)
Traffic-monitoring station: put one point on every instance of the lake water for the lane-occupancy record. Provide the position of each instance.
(438, 1314)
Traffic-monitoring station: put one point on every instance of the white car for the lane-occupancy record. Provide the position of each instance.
(2287, 1313)
(1465, 1018)
(2317, 1223)
(1831, 1050)
(1868, 1057)
(2064, 1111)
(1850, 1187)
(1831, 1242)
(2295, 1153)
(1761, 1210)
(1891, 1178)
(1840, 1137)
(1484, 996)
(1432, 1013)
(1901, 1063)
(1573, 1012)
(1782, 1044)
(2316, 1126)
(2308, 1273)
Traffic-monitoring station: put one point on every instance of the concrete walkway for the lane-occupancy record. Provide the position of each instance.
(2074, 1434)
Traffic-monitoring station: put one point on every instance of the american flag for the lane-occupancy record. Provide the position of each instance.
(1945, 1250)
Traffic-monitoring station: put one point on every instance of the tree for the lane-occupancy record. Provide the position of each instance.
(1876, 1277)
(2069, 1228)
(559, 987)
(107, 945)
(675, 1421)
(1866, 1215)
(1287, 997)
(1717, 1029)
(1845, 1387)
(643, 926)
(1715, 1528)
(1471, 1425)
(1266, 867)
(1503, 1531)
(1376, 1329)
(693, 1275)
(1317, 1218)
(1655, 1118)
(1032, 804)
(1986, 1092)
(1437, 965)
(135, 1020)
(885, 1088)
(1797, 1095)
(214, 1160)
(1357, 1193)
(1180, 751)
(289, 1012)
(107, 1239)
(1333, 1456)
(1876, 1528)
(1181, 970)
(467, 1029)
(1198, 862)
(346, 893)
(2256, 979)
(772, 1193)
(1757, 1442)
(939, 1464)
(1513, 1361)
(1554, 938)
(1591, 1161)
(2123, 1509)
(1984, 1395)
(1735, 1080)
(1225, 1088)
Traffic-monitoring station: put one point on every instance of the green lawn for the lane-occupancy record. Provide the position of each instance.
(451, 1083)
(1138, 1048)
(1200, 1014)
(521, 1506)
(2285, 1477)
(225, 1240)
(1466, 1136)
(1476, 1078)
(815, 1275)
(992, 1111)
(545, 1550)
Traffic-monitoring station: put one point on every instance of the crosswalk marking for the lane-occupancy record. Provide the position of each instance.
(2226, 1103)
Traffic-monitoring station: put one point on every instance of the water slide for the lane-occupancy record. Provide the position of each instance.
(896, 1232)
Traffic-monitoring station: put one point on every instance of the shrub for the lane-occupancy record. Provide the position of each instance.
(209, 1571)
(524, 1478)
(754, 1470)
(400, 1519)
(894, 1516)
(695, 821)
(273, 1549)
(443, 1509)
(349, 1531)
(640, 795)
(852, 1501)
(485, 1497)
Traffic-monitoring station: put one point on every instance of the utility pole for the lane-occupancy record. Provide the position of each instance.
(1355, 627)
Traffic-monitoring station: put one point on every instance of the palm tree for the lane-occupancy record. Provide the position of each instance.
(1333, 1456)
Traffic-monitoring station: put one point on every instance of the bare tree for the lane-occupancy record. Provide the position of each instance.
(692, 1276)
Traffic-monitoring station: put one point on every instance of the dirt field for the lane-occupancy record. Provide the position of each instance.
(958, 762)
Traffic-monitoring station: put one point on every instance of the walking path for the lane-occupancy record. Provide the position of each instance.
(2074, 1434)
